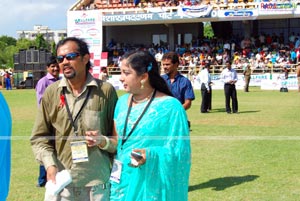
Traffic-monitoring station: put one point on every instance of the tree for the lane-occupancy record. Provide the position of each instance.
(53, 48)
(208, 31)
(41, 43)
(8, 40)
(2, 45)
(7, 54)
(24, 43)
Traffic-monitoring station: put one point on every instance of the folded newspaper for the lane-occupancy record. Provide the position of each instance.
(63, 178)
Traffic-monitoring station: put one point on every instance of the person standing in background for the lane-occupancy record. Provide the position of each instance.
(8, 80)
(103, 74)
(158, 56)
(51, 77)
(180, 86)
(229, 77)
(247, 76)
(5, 148)
(205, 89)
(298, 76)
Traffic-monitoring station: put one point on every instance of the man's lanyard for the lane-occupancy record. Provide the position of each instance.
(124, 137)
(80, 110)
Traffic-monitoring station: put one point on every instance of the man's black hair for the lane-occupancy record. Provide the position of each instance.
(51, 60)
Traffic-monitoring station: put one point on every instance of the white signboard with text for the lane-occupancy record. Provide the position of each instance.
(87, 25)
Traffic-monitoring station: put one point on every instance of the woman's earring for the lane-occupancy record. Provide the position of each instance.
(142, 84)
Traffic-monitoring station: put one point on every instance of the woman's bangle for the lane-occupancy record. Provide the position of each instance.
(107, 143)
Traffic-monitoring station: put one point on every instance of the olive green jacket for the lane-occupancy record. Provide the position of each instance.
(53, 131)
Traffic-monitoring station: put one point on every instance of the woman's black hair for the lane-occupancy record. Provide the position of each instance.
(83, 48)
(143, 62)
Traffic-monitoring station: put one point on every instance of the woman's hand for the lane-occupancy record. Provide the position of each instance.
(140, 161)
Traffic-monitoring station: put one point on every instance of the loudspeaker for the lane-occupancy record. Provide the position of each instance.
(35, 56)
(22, 56)
(48, 55)
(28, 56)
(16, 58)
(36, 67)
(43, 56)
(29, 67)
(19, 67)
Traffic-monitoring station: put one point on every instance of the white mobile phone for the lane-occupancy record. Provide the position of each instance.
(137, 156)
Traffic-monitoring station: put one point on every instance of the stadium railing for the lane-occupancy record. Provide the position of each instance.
(217, 69)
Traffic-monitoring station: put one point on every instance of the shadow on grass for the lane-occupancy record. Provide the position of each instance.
(218, 110)
(220, 184)
(223, 110)
(249, 111)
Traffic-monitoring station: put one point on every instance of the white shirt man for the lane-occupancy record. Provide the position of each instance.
(158, 56)
(205, 78)
(205, 89)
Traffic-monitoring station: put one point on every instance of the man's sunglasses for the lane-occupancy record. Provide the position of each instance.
(69, 56)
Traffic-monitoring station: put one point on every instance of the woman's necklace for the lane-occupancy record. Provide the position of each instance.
(142, 100)
(126, 134)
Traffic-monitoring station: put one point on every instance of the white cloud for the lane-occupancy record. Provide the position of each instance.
(23, 15)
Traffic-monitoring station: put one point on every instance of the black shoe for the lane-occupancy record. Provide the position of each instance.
(41, 185)
(228, 112)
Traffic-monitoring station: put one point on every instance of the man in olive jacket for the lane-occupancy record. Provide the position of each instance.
(73, 130)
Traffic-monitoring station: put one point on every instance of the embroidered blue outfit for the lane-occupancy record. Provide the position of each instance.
(164, 133)
(5, 152)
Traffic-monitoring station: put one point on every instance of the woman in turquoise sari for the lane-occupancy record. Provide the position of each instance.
(152, 123)
(5, 134)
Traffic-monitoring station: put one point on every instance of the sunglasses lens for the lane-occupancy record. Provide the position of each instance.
(60, 59)
(70, 56)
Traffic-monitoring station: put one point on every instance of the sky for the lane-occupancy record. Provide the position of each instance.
(18, 15)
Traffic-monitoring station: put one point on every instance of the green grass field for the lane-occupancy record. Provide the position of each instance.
(253, 155)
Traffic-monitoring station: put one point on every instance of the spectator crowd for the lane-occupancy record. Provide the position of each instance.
(263, 52)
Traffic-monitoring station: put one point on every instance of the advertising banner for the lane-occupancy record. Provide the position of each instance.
(278, 81)
(237, 14)
(194, 11)
(297, 11)
(265, 81)
(274, 8)
(88, 26)
(159, 14)
(217, 83)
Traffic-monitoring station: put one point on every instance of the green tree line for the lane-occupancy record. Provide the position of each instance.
(10, 46)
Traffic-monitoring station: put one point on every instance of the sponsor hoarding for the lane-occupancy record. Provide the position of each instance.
(88, 26)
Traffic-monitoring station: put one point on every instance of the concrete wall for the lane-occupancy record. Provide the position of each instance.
(142, 34)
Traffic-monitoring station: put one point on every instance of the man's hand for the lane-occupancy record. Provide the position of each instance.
(94, 138)
(51, 173)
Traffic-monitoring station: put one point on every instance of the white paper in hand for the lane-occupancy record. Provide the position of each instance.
(63, 178)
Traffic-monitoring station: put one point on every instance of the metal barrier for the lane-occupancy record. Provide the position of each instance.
(217, 69)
